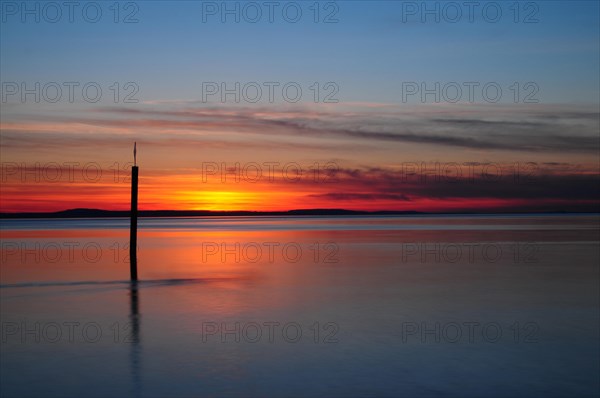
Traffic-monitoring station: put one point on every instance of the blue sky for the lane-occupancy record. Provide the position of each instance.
(369, 52)
(370, 60)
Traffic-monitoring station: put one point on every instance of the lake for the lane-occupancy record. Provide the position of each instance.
(470, 306)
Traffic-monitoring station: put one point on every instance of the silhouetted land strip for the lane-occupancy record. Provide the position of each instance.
(97, 213)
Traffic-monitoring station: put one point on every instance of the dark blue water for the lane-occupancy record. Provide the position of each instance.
(308, 306)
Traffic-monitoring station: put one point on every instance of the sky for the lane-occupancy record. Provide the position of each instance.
(365, 105)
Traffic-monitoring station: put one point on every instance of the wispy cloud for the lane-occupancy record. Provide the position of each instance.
(487, 130)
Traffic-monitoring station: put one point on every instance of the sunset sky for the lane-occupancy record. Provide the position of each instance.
(365, 143)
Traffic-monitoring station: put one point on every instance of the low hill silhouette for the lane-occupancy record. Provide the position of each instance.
(99, 213)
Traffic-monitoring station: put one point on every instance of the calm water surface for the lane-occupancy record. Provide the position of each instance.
(489, 306)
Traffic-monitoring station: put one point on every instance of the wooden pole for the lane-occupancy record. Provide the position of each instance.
(133, 227)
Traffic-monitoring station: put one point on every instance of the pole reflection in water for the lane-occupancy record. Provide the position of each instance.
(134, 319)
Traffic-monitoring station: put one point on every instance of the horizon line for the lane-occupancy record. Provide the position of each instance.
(102, 213)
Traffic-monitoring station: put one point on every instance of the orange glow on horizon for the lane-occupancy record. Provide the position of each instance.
(220, 200)
(27, 191)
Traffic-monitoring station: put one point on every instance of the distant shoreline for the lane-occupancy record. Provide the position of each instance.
(98, 213)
